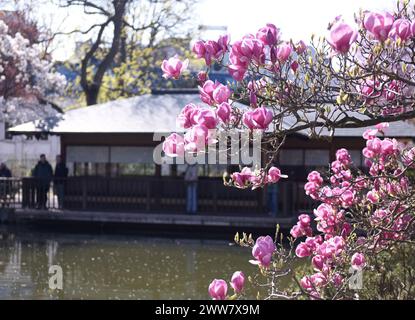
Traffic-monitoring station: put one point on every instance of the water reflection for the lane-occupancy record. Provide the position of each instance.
(113, 267)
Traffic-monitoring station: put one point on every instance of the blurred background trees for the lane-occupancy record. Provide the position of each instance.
(127, 41)
(119, 44)
(28, 80)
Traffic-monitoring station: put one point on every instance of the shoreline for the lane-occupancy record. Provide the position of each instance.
(144, 224)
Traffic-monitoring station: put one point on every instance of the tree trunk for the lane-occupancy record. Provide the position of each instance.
(91, 90)
(91, 95)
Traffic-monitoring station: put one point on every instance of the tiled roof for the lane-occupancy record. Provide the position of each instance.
(155, 113)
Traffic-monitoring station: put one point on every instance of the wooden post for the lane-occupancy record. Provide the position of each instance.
(84, 193)
(148, 195)
(284, 198)
(296, 199)
(215, 196)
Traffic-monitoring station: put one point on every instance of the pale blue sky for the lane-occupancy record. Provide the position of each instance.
(297, 19)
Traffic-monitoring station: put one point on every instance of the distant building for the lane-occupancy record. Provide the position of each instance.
(109, 150)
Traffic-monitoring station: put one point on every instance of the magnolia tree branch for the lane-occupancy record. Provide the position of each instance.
(360, 75)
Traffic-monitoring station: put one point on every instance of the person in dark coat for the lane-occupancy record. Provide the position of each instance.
(61, 173)
(43, 174)
(4, 171)
(5, 186)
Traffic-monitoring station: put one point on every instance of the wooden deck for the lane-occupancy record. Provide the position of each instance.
(147, 203)
(157, 195)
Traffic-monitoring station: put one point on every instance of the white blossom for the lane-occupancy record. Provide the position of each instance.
(25, 78)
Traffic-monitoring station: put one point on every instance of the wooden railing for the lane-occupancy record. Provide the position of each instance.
(10, 192)
(152, 194)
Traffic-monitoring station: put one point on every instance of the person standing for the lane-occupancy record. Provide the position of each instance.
(272, 197)
(43, 174)
(4, 171)
(5, 186)
(59, 182)
(191, 178)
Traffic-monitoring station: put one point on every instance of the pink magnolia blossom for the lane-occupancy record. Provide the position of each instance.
(382, 126)
(300, 230)
(374, 145)
(262, 251)
(328, 218)
(370, 89)
(211, 50)
(315, 177)
(347, 198)
(327, 251)
(260, 118)
(300, 47)
(318, 262)
(218, 289)
(283, 51)
(237, 71)
(224, 112)
(198, 137)
(303, 228)
(294, 66)
(173, 146)
(187, 117)
(318, 279)
(306, 283)
(370, 134)
(401, 29)
(373, 196)
(202, 77)
(341, 37)
(343, 156)
(389, 146)
(268, 35)
(379, 216)
(338, 280)
(253, 100)
(304, 220)
(223, 43)
(274, 175)
(303, 250)
(174, 67)
(296, 231)
(367, 153)
(207, 117)
(378, 24)
(221, 93)
(214, 92)
(238, 281)
(393, 90)
(312, 189)
(199, 49)
(242, 53)
(358, 261)
(331, 248)
(314, 242)
(346, 230)
(245, 50)
(241, 179)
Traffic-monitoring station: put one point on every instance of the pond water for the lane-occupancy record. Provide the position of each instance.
(113, 266)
